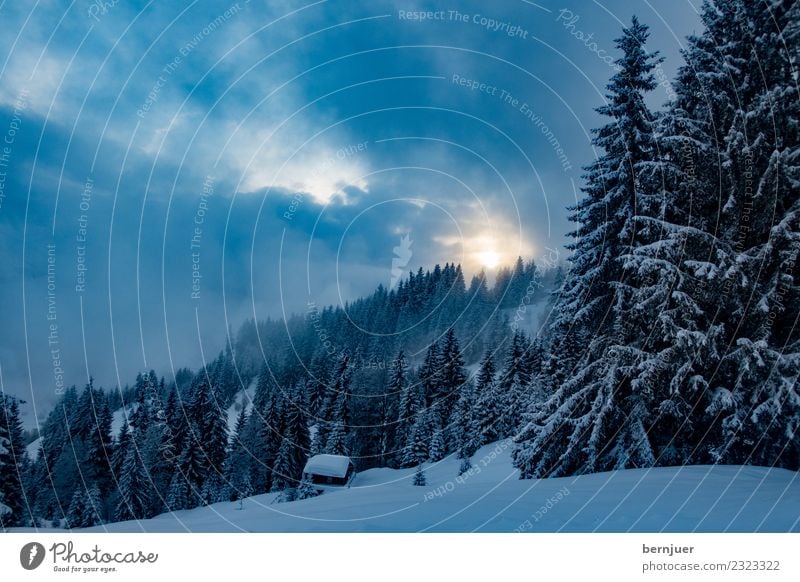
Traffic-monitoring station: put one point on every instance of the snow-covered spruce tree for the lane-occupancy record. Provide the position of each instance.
(264, 387)
(513, 384)
(46, 505)
(477, 312)
(463, 436)
(595, 421)
(120, 453)
(434, 435)
(338, 441)
(7, 469)
(689, 251)
(488, 411)
(388, 405)
(339, 382)
(541, 382)
(677, 269)
(452, 376)
(92, 428)
(82, 417)
(187, 481)
(321, 429)
(157, 450)
(147, 425)
(13, 463)
(76, 510)
(176, 415)
(85, 508)
(295, 446)
(237, 461)
(5, 511)
(226, 379)
(672, 338)
(133, 489)
(244, 491)
(210, 433)
(99, 444)
(282, 469)
(90, 448)
(55, 432)
(437, 448)
(148, 401)
(715, 275)
(201, 432)
(214, 489)
(180, 494)
(410, 403)
(248, 455)
(306, 490)
(430, 374)
(318, 383)
(165, 437)
(758, 416)
(241, 423)
(417, 447)
(264, 440)
(93, 507)
(408, 455)
(419, 476)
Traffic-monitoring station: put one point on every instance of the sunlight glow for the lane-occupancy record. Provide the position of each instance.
(489, 258)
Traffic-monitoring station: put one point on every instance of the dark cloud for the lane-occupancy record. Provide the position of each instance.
(322, 138)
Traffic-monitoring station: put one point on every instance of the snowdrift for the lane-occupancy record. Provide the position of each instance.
(491, 498)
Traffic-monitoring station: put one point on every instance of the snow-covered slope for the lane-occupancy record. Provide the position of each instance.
(119, 416)
(33, 448)
(492, 498)
(243, 398)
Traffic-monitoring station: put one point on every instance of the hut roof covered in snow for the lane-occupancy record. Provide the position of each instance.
(327, 465)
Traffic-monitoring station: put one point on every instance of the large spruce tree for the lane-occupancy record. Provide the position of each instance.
(595, 420)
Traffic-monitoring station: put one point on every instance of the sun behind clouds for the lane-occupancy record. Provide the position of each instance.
(489, 258)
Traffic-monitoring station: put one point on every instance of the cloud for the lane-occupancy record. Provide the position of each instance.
(33, 81)
(337, 115)
(320, 166)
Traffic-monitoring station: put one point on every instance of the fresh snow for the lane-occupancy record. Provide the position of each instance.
(491, 498)
(33, 447)
(327, 465)
(119, 416)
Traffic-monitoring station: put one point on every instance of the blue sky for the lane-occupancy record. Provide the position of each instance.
(296, 142)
